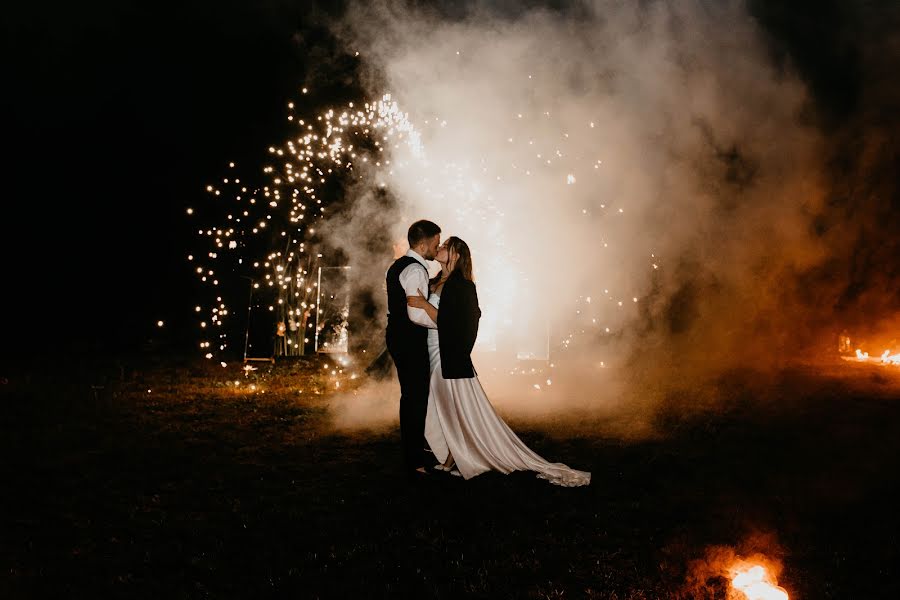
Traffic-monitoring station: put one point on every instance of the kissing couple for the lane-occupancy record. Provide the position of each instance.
(431, 330)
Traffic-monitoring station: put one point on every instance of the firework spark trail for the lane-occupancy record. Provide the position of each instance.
(268, 230)
(614, 178)
(556, 187)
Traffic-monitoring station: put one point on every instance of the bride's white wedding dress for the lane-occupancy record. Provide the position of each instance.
(461, 420)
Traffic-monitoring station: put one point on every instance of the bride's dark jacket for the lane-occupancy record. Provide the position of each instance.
(457, 323)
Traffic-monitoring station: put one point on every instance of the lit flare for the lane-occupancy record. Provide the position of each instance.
(755, 583)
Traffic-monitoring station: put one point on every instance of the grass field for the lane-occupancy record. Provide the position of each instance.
(159, 479)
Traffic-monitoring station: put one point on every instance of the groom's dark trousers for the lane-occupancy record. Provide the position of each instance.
(408, 346)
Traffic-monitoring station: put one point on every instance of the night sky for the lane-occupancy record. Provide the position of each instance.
(122, 112)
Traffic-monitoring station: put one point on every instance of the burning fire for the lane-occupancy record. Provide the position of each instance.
(886, 357)
(755, 583)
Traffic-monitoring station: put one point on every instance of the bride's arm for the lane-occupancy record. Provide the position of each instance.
(422, 302)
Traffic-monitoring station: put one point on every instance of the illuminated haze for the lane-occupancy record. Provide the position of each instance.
(607, 153)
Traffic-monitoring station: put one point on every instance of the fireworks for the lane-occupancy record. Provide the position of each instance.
(265, 231)
(265, 235)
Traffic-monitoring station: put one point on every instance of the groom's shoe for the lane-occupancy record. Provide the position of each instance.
(420, 474)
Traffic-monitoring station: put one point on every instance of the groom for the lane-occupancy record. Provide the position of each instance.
(407, 340)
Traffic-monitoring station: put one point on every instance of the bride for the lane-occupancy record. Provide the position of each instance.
(461, 426)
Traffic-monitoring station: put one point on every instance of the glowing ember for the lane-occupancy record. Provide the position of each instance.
(755, 583)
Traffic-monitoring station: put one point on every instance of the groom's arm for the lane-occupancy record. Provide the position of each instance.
(414, 278)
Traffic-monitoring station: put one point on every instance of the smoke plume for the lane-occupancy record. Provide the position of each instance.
(647, 188)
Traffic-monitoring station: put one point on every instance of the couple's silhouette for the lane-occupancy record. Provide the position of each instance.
(431, 330)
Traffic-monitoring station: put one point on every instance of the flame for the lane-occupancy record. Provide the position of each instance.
(885, 358)
(891, 359)
(755, 583)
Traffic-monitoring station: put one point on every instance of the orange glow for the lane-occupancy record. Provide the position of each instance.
(888, 357)
(755, 583)
(891, 359)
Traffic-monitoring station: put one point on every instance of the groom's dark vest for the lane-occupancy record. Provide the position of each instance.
(399, 327)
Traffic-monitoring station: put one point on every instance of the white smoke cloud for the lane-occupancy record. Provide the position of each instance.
(372, 407)
(635, 178)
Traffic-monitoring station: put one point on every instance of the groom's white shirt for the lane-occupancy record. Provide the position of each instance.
(413, 279)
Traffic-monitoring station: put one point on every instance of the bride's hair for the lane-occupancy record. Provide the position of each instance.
(464, 257)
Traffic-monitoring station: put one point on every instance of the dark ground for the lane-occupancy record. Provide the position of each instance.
(157, 480)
